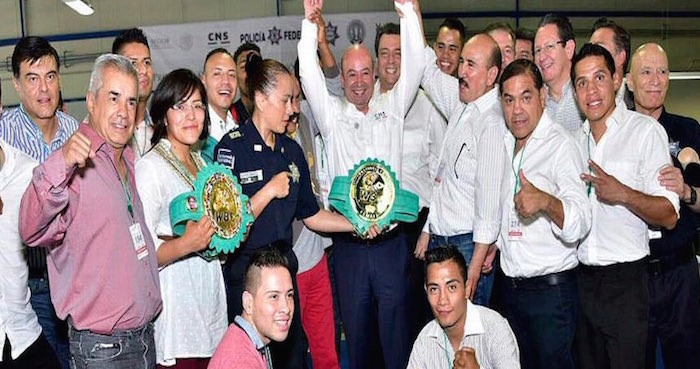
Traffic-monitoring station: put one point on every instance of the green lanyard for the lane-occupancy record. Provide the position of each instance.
(588, 144)
(127, 191)
(515, 172)
(447, 356)
(268, 357)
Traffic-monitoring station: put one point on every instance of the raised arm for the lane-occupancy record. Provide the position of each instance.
(412, 60)
(442, 88)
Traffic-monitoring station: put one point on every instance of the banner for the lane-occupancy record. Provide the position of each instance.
(186, 45)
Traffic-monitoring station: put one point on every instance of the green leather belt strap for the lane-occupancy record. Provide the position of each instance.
(370, 193)
(217, 195)
(207, 150)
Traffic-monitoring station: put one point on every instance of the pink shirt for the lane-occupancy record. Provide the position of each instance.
(237, 350)
(81, 215)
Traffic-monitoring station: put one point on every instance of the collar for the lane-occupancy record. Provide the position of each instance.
(486, 101)
(473, 325)
(97, 143)
(213, 115)
(250, 331)
(250, 131)
(36, 127)
(615, 120)
(564, 91)
(540, 132)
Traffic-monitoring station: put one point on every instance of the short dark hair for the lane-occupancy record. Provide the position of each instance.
(248, 46)
(519, 67)
(218, 50)
(564, 27)
(592, 50)
(525, 34)
(176, 86)
(501, 26)
(441, 254)
(132, 35)
(455, 25)
(621, 39)
(31, 49)
(265, 258)
(385, 29)
(262, 74)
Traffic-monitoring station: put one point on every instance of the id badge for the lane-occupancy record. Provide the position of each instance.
(515, 232)
(138, 241)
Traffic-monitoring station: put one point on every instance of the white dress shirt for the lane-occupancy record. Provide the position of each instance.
(18, 322)
(140, 141)
(219, 127)
(552, 162)
(485, 331)
(350, 135)
(466, 193)
(424, 131)
(633, 149)
(193, 319)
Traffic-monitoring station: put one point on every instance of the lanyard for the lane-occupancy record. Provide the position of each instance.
(127, 191)
(516, 172)
(447, 356)
(268, 357)
(588, 145)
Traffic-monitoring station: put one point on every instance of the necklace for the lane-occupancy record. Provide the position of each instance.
(163, 149)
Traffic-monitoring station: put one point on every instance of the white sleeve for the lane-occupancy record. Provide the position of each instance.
(442, 89)
(412, 60)
(312, 79)
(149, 188)
(655, 156)
(571, 191)
(436, 136)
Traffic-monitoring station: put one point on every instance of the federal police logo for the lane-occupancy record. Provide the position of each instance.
(294, 173)
(331, 33)
(275, 35)
(356, 31)
(372, 192)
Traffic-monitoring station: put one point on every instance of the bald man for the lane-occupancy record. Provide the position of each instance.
(465, 208)
(673, 270)
(372, 276)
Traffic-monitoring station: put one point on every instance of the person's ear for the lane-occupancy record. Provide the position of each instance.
(247, 303)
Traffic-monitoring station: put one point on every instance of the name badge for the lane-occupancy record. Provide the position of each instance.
(226, 158)
(252, 176)
(138, 241)
(515, 232)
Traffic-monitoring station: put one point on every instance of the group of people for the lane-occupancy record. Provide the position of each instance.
(558, 211)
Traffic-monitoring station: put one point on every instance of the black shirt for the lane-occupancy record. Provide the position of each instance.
(254, 164)
(242, 114)
(682, 132)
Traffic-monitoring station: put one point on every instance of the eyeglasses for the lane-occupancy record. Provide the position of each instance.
(548, 48)
(182, 107)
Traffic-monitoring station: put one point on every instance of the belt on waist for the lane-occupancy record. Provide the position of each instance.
(551, 279)
(665, 263)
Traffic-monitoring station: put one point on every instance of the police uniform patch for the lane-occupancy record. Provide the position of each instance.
(226, 158)
(235, 134)
(294, 173)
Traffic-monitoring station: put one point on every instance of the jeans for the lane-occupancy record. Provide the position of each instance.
(543, 318)
(465, 244)
(55, 330)
(129, 349)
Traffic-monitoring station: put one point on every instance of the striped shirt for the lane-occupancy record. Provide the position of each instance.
(485, 331)
(565, 111)
(18, 130)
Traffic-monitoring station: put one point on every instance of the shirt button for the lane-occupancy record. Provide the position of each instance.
(357, 125)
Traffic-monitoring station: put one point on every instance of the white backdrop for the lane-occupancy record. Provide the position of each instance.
(186, 45)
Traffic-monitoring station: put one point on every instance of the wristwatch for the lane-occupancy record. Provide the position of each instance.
(693, 196)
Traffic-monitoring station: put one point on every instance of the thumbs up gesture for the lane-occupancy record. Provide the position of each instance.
(529, 200)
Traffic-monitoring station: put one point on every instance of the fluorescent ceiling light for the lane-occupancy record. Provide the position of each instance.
(684, 75)
(80, 6)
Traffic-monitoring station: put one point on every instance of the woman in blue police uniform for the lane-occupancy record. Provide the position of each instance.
(273, 172)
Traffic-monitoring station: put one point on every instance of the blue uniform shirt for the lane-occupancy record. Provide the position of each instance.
(254, 164)
(682, 132)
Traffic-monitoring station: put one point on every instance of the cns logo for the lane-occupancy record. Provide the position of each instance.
(218, 38)
(356, 31)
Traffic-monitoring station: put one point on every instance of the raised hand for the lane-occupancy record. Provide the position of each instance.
(77, 150)
(607, 188)
(529, 200)
(310, 6)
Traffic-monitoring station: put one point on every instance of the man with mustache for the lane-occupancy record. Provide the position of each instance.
(356, 127)
(133, 45)
(465, 208)
(673, 270)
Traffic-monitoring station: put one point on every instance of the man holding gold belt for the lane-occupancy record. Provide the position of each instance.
(354, 128)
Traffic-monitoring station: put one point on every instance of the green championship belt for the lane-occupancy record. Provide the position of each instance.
(217, 195)
(370, 194)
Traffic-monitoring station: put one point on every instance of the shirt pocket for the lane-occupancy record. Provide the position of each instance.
(464, 161)
(625, 172)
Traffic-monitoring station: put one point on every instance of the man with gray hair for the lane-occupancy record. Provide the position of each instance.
(83, 206)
